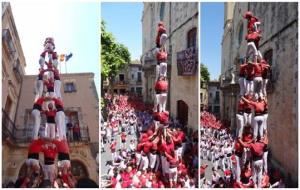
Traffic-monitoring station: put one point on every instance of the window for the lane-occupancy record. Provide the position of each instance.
(139, 90)
(210, 94)
(217, 96)
(139, 78)
(162, 11)
(192, 38)
(121, 77)
(69, 87)
(217, 109)
(132, 76)
(132, 90)
(241, 28)
(201, 97)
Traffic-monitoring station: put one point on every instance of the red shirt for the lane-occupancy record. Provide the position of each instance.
(257, 148)
(113, 147)
(113, 182)
(35, 146)
(58, 102)
(147, 147)
(168, 148)
(49, 84)
(123, 136)
(250, 25)
(259, 106)
(241, 105)
(247, 137)
(40, 101)
(62, 146)
(50, 113)
(258, 69)
(243, 70)
(50, 152)
(249, 72)
(139, 147)
(161, 56)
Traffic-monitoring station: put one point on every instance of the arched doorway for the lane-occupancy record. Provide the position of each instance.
(78, 169)
(182, 112)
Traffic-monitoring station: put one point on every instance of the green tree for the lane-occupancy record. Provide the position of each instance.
(114, 56)
(205, 76)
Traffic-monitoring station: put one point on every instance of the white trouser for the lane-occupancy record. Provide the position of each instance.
(246, 155)
(179, 152)
(242, 83)
(258, 86)
(37, 122)
(256, 26)
(265, 124)
(50, 75)
(153, 159)
(257, 172)
(173, 174)
(144, 163)
(42, 62)
(223, 163)
(55, 63)
(49, 172)
(138, 158)
(113, 156)
(163, 39)
(162, 102)
(50, 130)
(216, 163)
(265, 161)
(240, 125)
(251, 49)
(61, 124)
(64, 163)
(247, 118)
(165, 165)
(163, 69)
(238, 168)
(57, 84)
(258, 126)
(30, 162)
(264, 86)
(249, 87)
(157, 72)
(39, 89)
(51, 94)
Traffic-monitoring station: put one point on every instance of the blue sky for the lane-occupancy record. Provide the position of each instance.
(124, 21)
(75, 27)
(212, 22)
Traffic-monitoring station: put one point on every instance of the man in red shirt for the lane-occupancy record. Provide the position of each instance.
(57, 83)
(50, 124)
(36, 113)
(257, 150)
(123, 140)
(113, 146)
(50, 86)
(32, 161)
(249, 71)
(259, 106)
(253, 22)
(168, 148)
(50, 152)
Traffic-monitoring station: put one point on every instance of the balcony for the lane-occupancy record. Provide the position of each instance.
(8, 126)
(83, 136)
(18, 70)
(8, 42)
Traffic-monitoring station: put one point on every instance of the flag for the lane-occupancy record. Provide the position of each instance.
(68, 56)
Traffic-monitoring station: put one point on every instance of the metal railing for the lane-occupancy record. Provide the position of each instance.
(24, 135)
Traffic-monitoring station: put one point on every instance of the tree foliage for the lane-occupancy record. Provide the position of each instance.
(114, 56)
(205, 76)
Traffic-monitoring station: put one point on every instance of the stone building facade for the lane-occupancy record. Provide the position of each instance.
(203, 95)
(13, 64)
(279, 46)
(128, 79)
(181, 22)
(214, 98)
(81, 106)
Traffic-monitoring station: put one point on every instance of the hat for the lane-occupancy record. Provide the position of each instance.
(248, 14)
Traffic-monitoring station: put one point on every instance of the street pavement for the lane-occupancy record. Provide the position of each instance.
(106, 156)
(208, 171)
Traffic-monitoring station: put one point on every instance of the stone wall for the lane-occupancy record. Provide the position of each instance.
(279, 33)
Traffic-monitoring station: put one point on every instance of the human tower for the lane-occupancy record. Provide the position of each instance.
(252, 111)
(48, 102)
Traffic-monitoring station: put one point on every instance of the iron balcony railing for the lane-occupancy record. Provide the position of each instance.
(24, 135)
